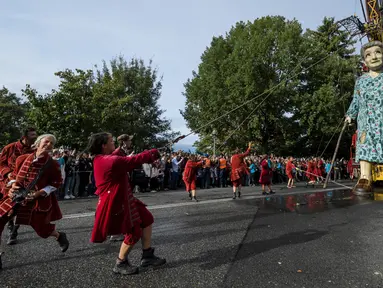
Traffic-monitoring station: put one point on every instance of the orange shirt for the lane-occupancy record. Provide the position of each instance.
(222, 163)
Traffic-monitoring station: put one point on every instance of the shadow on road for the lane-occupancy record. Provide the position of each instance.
(215, 258)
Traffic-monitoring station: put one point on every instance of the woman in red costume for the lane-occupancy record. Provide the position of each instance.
(264, 179)
(118, 211)
(289, 172)
(311, 173)
(190, 176)
(237, 170)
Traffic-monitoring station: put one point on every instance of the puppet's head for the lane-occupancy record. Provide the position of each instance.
(372, 55)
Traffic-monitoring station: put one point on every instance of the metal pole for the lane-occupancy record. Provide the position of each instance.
(334, 156)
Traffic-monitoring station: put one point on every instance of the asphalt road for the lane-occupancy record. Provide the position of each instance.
(298, 238)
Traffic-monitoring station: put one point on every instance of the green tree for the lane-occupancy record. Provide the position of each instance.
(12, 117)
(127, 94)
(66, 112)
(250, 60)
(326, 89)
(301, 114)
(119, 98)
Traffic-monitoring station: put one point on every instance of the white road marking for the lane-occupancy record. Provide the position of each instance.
(189, 203)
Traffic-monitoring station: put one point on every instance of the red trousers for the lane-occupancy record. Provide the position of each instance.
(190, 185)
(237, 183)
(44, 230)
(146, 220)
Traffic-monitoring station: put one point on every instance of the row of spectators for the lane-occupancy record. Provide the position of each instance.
(166, 173)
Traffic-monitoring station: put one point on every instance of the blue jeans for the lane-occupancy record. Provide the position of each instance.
(206, 178)
(69, 183)
(174, 180)
(222, 177)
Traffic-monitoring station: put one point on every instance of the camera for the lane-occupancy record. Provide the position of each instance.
(19, 195)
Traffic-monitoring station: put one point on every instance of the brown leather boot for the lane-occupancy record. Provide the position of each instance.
(363, 187)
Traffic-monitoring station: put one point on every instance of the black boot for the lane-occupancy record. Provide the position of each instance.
(149, 259)
(12, 232)
(124, 268)
(63, 241)
(195, 199)
(190, 196)
(234, 195)
(239, 194)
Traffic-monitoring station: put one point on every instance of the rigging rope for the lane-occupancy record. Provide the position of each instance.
(337, 183)
(336, 131)
(320, 144)
(272, 89)
(251, 113)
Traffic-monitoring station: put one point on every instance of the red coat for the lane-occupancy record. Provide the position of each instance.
(190, 172)
(43, 209)
(264, 179)
(353, 139)
(119, 152)
(237, 165)
(311, 170)
(289, 169)
(116, 211)
(350, 168)
(8, 158)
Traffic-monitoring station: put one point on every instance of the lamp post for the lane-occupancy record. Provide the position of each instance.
(214, 136)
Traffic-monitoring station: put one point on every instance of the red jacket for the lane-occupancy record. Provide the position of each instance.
(116, 211)
(190, 172)
(237, 165)
(8, 158)
(265, 173)
(43, 209)
(289, 167)
(311, 169)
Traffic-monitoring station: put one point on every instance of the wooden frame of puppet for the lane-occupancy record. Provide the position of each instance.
(367, 108)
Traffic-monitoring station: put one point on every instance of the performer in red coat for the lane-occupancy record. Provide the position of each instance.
(265, 176)
(125, 145)
(237, 170)
(354, 138)
(118, 211)
(318, 171)
(311, 172)
(124, 149)
(289, 172)
(8, 158)
(40, 207)
(190, 175)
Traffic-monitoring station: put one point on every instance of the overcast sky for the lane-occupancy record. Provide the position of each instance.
(40, 37)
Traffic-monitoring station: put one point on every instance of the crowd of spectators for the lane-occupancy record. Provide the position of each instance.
(166, 173)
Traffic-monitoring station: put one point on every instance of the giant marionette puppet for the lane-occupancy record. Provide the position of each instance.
(367, 108)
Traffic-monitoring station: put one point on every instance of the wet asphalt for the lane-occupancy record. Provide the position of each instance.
(299, 237)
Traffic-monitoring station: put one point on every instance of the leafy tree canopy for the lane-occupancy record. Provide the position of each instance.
(305, 80)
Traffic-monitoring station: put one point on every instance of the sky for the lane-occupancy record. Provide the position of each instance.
(41, 37)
